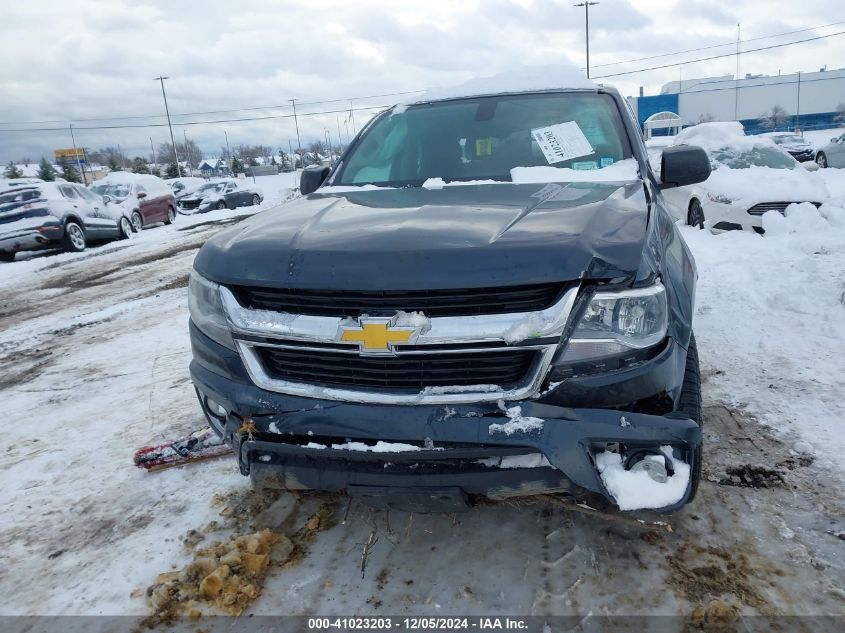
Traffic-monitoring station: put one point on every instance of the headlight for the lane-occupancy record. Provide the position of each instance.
(618, 322)
(206, 308)
(717, 197)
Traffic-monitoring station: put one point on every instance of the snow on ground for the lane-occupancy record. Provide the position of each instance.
(821, 137)
(770, 321)
(93, 364)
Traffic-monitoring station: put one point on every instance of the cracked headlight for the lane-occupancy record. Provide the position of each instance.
(618, 322)
(206, 308)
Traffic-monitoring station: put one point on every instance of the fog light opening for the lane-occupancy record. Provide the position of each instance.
(215, 409)
(651, 461)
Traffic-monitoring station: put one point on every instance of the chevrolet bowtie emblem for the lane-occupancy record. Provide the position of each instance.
(376, 336)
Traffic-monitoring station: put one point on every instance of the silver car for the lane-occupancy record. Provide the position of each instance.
(833, 153)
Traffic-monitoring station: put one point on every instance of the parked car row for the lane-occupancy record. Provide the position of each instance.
(725, 201)
(38, 215)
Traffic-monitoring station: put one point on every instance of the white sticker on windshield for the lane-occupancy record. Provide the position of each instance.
(562, 141)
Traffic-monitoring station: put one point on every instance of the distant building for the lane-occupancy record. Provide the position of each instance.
(212, 167)
(810, 100)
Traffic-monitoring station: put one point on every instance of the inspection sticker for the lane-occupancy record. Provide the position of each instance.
(562, 141)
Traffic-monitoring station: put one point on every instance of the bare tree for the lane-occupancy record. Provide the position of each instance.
(840, 113)
(775, 118)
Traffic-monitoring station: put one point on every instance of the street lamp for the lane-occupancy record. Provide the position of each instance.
(587, 6)
(167, 111)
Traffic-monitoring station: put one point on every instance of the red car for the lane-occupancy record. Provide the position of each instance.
(151, 200)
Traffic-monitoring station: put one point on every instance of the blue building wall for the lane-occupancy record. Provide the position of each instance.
(646, 106)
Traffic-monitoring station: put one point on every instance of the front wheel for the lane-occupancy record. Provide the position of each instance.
(695, 214)
(221, 205)
(171, 215)
(125, 228)
(74, 240)
(689, 403)
(7, 256)
(256, 200)
(821, 160)
(137, 222)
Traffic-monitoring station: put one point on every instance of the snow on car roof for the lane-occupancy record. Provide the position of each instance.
(712, 137)
(150, 182)
(526, 79)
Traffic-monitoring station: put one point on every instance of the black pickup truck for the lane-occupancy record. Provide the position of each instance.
(484, 297)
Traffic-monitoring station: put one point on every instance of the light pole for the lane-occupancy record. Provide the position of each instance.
(76, 154)
(152, 147)
(587, 6)
(296, 122)
(187, 153)
(167, 111)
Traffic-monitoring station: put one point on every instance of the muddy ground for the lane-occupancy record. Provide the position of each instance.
(93, 364)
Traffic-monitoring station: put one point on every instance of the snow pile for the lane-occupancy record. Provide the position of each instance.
(532, 460)
(768, 184)
(797, 218)
(622, 171)
(636, 490)
(714, 136)
(412, 319)
(518, 423)
(526, 79)
(531, 325)
(378, 447)
(447, 389)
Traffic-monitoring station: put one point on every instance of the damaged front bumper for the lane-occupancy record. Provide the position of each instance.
(456, 448)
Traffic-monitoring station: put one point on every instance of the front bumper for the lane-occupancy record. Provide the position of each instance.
(453, 439)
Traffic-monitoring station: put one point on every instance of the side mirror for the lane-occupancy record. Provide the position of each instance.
(106, 198)
(141, 195)
(835, 139)
(683, 165)
(311, 179)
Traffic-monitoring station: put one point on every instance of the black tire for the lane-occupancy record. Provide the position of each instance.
(7, 256)
(256, 200)
(821, 160)
(124, 228)
(221, 205)
(171, 215)
(74, 240)
(695, 214)
(689, 403)
(137, 222)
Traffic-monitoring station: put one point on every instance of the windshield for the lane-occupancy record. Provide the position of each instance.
(483, 138)
(757, 157)
(118, 191)
(213, 186)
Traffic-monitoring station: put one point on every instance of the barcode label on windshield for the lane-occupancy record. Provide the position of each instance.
(562, 141)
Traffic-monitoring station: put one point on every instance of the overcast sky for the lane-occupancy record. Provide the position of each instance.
(83, 59)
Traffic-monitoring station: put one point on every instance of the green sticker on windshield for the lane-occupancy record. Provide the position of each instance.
(585, 164)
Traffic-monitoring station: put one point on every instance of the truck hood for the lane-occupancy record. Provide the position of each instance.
(413, 238)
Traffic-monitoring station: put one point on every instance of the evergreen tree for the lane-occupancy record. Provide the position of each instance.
(155, 171)
(113, 164)
(172, 171)
(252, 162)
(69, 170)
(237, 166)
(139, 166)
(12, 171)
(46, 171)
